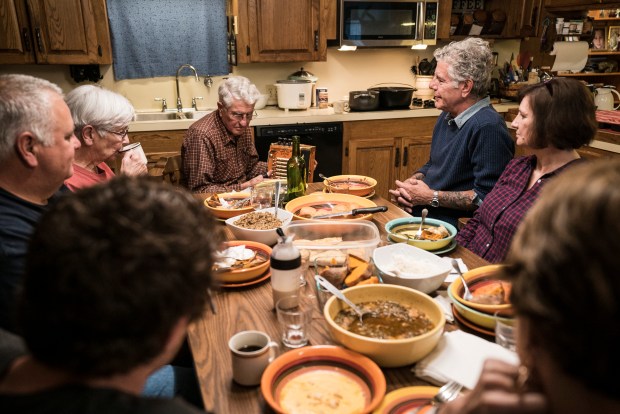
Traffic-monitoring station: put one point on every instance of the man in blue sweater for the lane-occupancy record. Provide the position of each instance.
(471, 144)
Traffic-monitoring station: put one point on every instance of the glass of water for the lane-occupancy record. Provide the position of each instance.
(262, 197)
(294, 317)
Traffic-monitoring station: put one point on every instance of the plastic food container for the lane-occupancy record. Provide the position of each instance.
(357, 238)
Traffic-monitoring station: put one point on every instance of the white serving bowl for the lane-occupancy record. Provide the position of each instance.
(426, 272)
(262, 101)
(268, 237)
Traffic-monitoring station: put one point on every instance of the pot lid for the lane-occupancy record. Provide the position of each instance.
(294, 81)
(303, 74)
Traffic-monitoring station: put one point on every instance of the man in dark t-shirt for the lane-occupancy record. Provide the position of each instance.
(115, 274)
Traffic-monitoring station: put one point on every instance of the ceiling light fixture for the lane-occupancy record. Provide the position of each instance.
(419, 45)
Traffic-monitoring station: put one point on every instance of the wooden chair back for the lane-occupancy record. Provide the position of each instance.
(167, 169)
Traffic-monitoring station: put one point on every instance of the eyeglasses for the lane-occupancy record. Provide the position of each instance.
(239, 116)
(121, 134)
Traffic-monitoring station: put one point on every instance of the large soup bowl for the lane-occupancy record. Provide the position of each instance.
(359, 185)
(402, 230)
(387, 352)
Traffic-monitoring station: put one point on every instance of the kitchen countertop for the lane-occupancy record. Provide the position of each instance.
(275, 116)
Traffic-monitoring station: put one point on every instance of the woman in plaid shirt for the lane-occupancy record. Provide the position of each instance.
(555, 118)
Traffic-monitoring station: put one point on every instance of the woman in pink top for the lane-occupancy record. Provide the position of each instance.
(101, 119)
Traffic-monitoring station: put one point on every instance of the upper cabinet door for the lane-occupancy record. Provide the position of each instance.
(70, 31)
(283, 31)
(15, 38)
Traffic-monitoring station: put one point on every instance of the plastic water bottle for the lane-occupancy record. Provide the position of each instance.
(285, 268)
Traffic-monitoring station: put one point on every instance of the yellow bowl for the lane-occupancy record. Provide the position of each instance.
(248, 273)
(225, 213)
(476, 279)
(476, 317)
(358, 185)
(326, 201)
(387, 352)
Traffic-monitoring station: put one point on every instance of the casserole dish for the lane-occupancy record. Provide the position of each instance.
(394, 97)
(363, 100)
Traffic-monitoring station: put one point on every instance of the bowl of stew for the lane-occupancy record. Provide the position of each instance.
(358, 185)
(405, 327)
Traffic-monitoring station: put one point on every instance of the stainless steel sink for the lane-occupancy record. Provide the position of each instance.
(170, 116)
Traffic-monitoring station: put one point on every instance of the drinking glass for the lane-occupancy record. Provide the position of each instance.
(262, 197)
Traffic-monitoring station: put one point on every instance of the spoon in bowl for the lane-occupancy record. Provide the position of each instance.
(329, 182)
(277, 200)
(466, 293)
(335, 291)
(418, 234)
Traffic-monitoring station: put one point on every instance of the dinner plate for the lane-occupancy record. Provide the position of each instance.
(469, 324)
(323, 364)
(371, 195)
(240, 275)
(404, 400)
(252, 282)
(443, 250)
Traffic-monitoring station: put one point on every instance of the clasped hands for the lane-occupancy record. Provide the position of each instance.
(411, 192)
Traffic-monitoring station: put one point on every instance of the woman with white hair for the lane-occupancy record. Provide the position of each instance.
(101, 119)
(218, 151)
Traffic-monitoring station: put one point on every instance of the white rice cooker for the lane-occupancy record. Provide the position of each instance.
(294, 94)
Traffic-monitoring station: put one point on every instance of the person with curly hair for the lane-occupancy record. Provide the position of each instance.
(471, 144)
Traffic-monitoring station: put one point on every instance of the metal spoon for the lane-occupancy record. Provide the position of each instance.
(466, 294)
(335, 291)
(418, 234)
(329, 182)
(277, 190)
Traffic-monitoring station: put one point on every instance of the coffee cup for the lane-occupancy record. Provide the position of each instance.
(251, 352)
(341, 106)
(134, 149)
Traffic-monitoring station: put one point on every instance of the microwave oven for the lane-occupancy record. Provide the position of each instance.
(387, 23)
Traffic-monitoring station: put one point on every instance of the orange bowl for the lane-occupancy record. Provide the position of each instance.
(358, 185)
(325, 203)
(478, 280)
(246, 273)
(224, 213)
(349, 370)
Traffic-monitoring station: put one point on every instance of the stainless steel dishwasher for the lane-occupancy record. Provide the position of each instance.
(325, 136)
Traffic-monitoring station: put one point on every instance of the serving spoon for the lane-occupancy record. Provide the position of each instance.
(335, 291)
(466, 293)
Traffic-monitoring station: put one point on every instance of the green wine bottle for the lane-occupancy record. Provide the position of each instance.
(295, 173)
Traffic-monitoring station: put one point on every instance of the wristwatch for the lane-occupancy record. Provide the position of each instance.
(435, 201)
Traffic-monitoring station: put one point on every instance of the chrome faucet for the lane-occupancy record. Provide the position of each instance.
(187, 65)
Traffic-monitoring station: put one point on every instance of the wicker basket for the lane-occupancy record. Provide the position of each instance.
(511, 91)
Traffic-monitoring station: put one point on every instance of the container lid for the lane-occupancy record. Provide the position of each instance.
(303, 74)
(293, 81)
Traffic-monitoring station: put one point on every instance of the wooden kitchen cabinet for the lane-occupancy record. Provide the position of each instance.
(281, 30)
(387, 150)
(580, 4)
(522, 18)
(54, 32)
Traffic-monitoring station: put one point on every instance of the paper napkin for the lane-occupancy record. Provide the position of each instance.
(459, 356)
(452, 276)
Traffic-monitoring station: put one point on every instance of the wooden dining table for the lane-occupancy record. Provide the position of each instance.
(251, 308)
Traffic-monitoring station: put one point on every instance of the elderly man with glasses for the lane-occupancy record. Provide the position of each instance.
(218, 151)
(101, 119)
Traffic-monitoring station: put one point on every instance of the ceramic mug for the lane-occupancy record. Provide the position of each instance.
(341, 106)
(251, 352)
(604, 99)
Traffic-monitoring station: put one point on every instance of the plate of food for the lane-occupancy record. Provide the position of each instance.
(241, 261)
(318, 204)
(323, 378)
(408, 399)
(226, 205)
